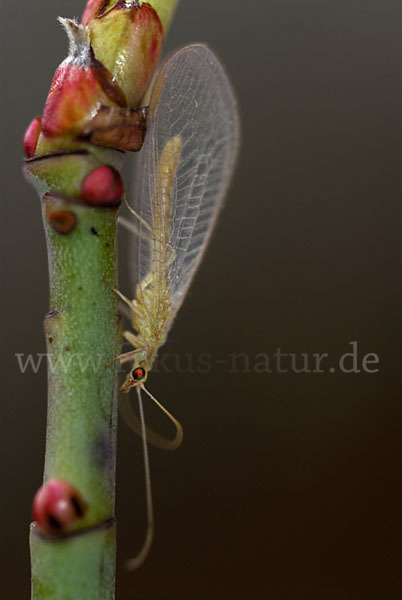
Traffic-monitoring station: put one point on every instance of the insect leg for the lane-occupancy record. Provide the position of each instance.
(133, 228)
(130, 303)
(120, 295)
(133, 339)
(126, 357)
(126, 312)
(137, 216)
(129, 225)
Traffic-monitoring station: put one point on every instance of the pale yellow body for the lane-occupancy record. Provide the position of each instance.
(152, 306)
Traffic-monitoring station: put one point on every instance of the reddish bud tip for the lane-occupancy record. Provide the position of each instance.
(57, 506)
(103, 186)
(81, 85)
(91, 10)
(31, 137)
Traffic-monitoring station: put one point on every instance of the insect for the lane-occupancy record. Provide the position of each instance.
(182, 174)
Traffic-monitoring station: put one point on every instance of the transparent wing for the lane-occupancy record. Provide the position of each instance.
(192, 102)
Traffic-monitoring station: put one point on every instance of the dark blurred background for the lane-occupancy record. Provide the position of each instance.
(288, 485)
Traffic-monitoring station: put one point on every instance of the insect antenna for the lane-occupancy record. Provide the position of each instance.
(130, 417)
(137, 561)
(179, 429)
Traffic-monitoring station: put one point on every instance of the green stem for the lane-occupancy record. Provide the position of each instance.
(81, 328)
(82, 337)
(78, 567)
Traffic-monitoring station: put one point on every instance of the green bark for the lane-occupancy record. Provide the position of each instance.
(80, 566)
(82, 335)
(82, 332)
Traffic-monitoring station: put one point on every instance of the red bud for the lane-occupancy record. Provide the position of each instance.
(103, 186)
(127, 38)
(97, 8)
(81, 85)
(57, 506)
(31, 137)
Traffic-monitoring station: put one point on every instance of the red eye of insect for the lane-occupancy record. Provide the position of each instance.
(138, 374)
